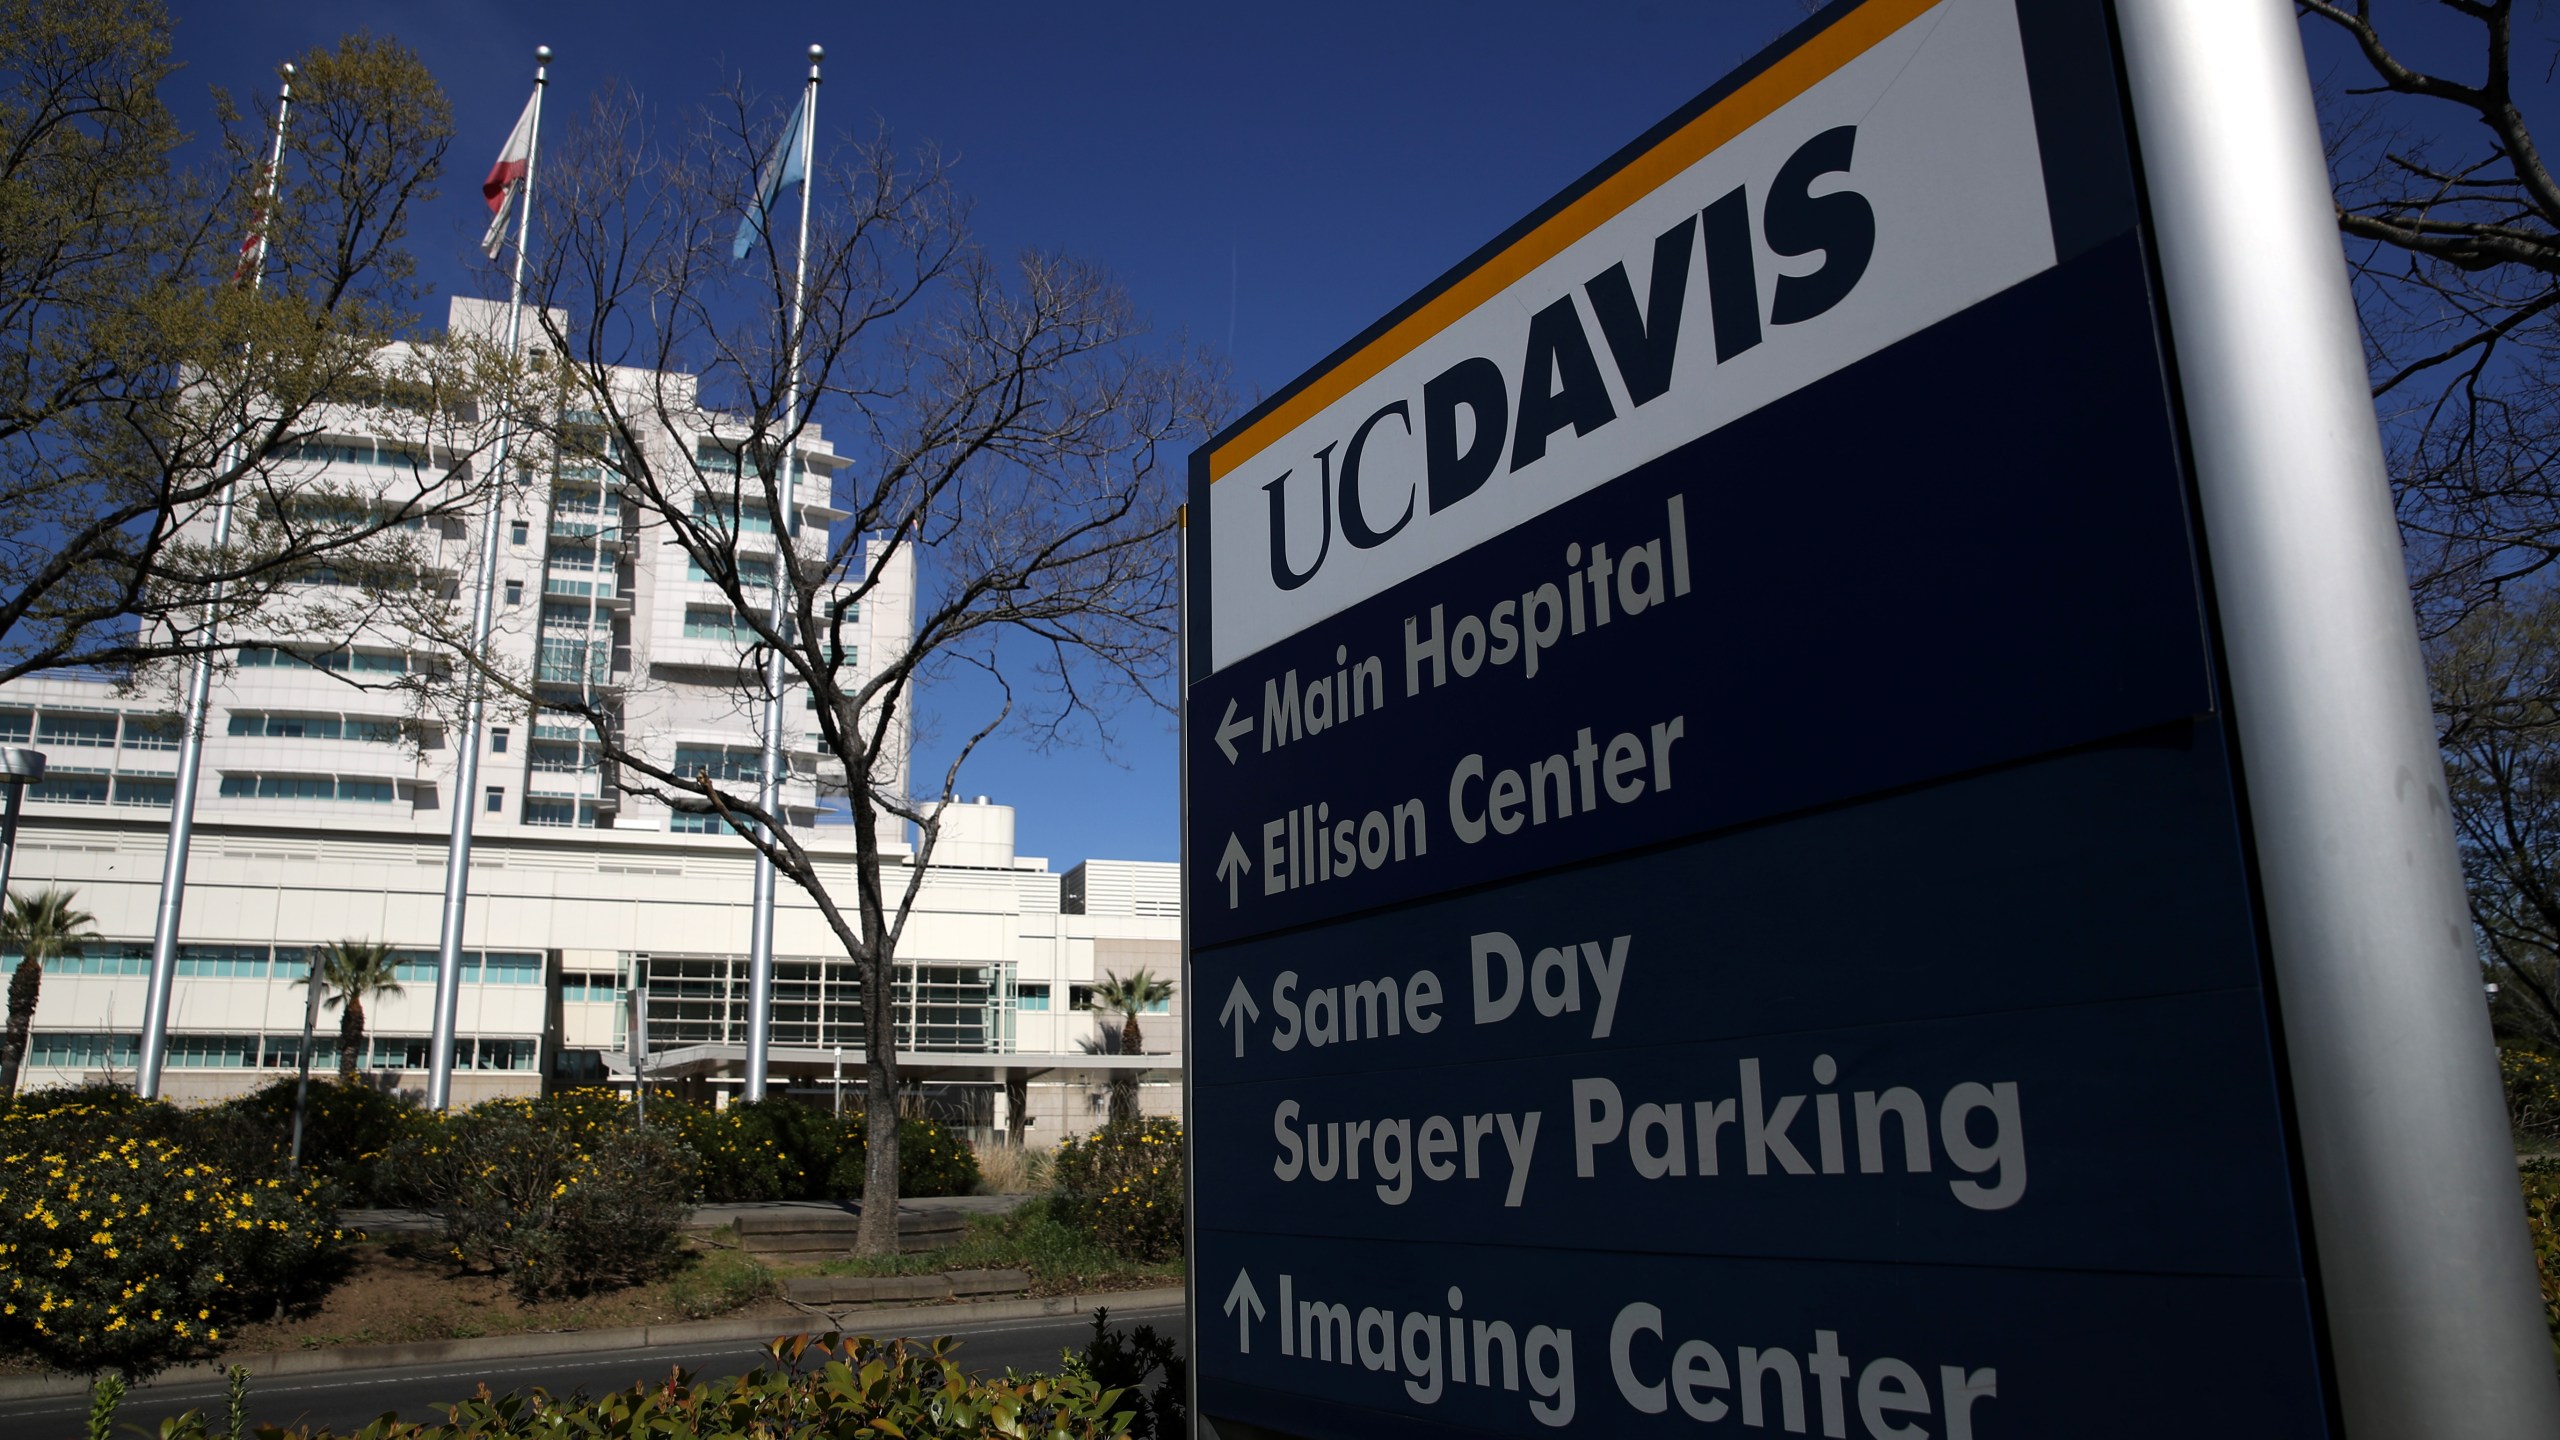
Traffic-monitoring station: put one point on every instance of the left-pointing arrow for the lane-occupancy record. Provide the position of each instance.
(1245, 1303)
(1231, 726)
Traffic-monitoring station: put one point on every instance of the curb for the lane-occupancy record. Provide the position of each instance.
(762, 1326)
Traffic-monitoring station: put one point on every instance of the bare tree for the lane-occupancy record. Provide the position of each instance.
(2453, 224)
(1006, 430)
(144, 378)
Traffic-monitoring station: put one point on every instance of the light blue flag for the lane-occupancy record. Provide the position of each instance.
(781, 171)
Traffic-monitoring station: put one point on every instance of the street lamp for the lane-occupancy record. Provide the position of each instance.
(20, 767)
(839, 1082)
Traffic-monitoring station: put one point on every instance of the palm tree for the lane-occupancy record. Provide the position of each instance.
(41, 926)
(1129, 996)
(354, 971)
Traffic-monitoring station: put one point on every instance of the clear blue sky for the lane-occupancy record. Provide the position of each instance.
(1267, 180)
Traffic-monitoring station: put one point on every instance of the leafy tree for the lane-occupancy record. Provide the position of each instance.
(147, 377)
(1003, 432)
(1129, 996)
(353, 972)
(2497, 681)
(39, 926)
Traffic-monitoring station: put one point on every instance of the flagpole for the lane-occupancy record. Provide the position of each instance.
(466, 782)
(778, 615)
(199, 696)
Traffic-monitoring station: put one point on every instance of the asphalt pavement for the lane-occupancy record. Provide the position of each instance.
(345, 1400)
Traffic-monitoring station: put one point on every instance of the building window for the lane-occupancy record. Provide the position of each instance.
(371, 729)
(237, 786)
(696, 822)
(495, 802)
(55, 728)
(372, 662)
(515, 592)
(223, 962)
(559, 810)
(146, 790)
(717, 622)
(517, 532)
(754, 572)
(1032, 997)
(721, 513)
(151, 732)
(498, 741)
(61, 786)
(719, 762)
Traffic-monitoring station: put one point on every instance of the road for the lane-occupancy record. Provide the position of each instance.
(345, 1400)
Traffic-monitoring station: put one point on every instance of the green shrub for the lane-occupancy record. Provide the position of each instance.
(2542, 1219)
(829, 1385)
(1122, 1185)
(558, 1204)
(716, 1281)
(124, 1250)
(931, 1160)
(348, 1132)
(1122, 1361)
(2533, 1092)
(780, 1149)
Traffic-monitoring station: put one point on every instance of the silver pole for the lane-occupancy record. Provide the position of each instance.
(466, 779)
(778, 615)
(302, 1072)
(20, 767)
(199, 698)
(2433, 1315)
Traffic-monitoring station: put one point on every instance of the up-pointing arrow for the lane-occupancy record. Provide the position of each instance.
(1243, 1295)
(1239, 1009)
(1230, 727)
(1231, 867)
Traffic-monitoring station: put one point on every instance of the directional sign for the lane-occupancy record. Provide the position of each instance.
(1716, 877)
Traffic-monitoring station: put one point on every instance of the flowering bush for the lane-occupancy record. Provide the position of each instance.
(829, 1385)
(559, 1201)
(931, 1160)
(123, 1249)
(780, 1149)
(347, 1132)
(736, 1152)
(1122, 1185)
(2533, 1092)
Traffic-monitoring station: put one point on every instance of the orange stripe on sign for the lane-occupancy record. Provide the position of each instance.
(1800, 70)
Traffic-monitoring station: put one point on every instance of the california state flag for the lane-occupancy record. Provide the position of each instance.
(506, 180)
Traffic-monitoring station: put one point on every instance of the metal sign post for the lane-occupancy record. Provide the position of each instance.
(635, 1009)
(1809, 799)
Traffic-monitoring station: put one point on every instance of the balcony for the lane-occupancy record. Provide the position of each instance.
(586, 585)
(575, 527)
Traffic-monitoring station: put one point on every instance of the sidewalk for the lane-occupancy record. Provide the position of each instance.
(762, 1325)
(378, 1224)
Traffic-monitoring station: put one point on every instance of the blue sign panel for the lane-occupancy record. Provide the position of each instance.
(1716, 884)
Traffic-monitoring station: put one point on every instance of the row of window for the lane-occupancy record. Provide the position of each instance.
(371, 729)
(717, 622)
(351, 452)
(362, 662)
(79, 1050)
(279, 962)
(252, 786)
(72, 729)
(1035, 996)
(76, 785)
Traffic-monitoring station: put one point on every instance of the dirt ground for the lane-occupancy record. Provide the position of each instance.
(388, 1298)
